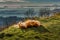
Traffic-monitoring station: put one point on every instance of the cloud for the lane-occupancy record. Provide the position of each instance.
(22, 1)
(1, 0)
(14, 0)
(32, 0)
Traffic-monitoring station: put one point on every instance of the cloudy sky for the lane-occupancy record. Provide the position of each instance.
(32, 0)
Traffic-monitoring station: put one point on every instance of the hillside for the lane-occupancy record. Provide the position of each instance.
(49, 31)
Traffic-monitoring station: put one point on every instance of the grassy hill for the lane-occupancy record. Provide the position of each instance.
(49, 31)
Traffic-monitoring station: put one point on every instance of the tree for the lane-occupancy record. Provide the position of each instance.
(29, 12)
(41, 12)
(44, 12)
(48, 12)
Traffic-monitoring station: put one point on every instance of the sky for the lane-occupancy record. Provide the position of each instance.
(36, 1)
(43, 0)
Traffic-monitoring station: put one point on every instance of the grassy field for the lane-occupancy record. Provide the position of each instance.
(49, 31)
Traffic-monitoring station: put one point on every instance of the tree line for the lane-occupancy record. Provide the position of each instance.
(43, 12)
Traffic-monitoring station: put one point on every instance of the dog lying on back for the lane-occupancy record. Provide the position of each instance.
(28, 23)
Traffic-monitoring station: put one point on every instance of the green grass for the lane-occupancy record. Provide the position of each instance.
(49, 31)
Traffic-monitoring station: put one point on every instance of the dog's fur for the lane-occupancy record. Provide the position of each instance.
(29, 23)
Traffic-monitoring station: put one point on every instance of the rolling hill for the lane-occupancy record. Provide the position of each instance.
(49, 31)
